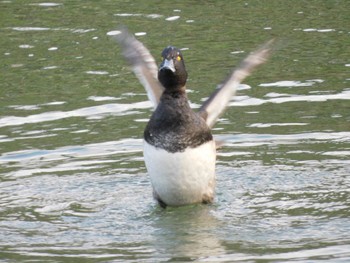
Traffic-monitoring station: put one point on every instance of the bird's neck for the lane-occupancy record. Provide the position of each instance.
(175, 92)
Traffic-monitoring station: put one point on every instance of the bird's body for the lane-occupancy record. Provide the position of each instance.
(179, 149)
(179, 152)
(182, 178)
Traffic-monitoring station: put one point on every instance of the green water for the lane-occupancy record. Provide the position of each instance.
(73, 186)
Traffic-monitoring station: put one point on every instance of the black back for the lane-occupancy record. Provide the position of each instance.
(174, 126)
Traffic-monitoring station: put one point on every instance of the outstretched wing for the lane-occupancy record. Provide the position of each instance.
(142, 63)
(215, 105)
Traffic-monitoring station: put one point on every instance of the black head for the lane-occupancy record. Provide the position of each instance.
(172, 72)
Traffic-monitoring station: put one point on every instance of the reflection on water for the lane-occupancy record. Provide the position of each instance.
(73, 186)
(186, 234)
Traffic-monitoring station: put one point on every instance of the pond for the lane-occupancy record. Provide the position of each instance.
(73, 185)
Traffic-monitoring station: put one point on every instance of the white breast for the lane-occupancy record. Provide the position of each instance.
(183, 177)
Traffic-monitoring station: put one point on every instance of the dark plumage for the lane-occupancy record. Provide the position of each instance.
(172, 72)
(174, 126)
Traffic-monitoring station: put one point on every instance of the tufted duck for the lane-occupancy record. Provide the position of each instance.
(179, 149)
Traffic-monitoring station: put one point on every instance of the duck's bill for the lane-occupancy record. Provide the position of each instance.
(167, 65)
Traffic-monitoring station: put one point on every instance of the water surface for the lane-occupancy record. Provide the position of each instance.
(73, 185)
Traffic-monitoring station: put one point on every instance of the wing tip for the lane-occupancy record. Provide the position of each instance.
(263, 52)
(210, 113)
(121, 35)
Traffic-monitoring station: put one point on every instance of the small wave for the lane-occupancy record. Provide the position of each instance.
(88, 112)
(250, 101)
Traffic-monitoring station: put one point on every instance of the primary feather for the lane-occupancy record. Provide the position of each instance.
(216, 104)
(142, 63)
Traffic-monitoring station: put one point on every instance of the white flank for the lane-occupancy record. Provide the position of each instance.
(184, 177)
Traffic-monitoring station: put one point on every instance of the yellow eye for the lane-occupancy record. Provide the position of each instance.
(178, 58)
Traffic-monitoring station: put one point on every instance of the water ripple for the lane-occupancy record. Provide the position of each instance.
(249, 101)
(88, 112)
(276, 139)
(86, 157)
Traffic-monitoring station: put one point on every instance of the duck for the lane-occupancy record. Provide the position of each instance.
(178, 146)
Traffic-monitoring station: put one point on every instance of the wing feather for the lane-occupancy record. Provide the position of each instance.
(216, 104)
(142, 63)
